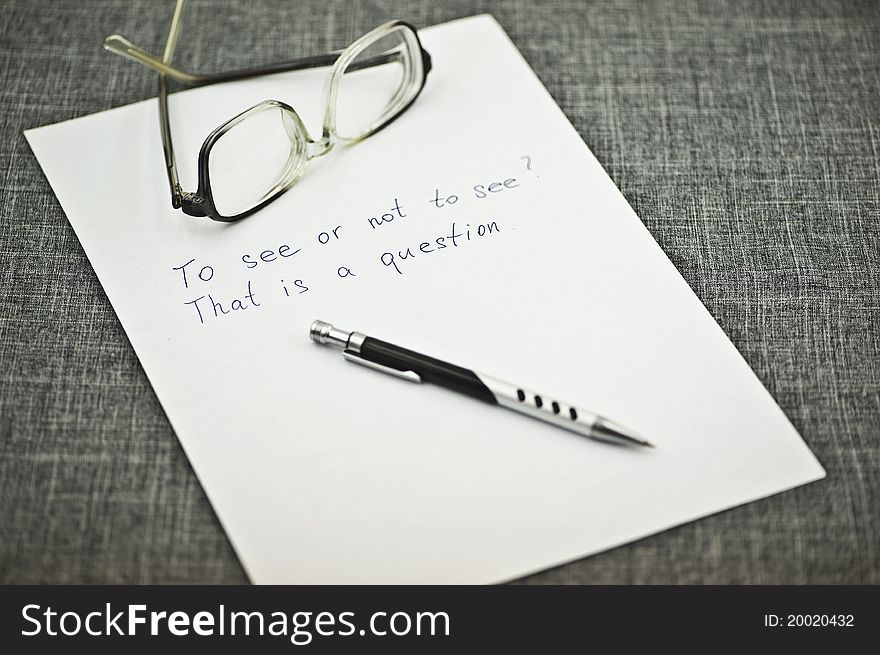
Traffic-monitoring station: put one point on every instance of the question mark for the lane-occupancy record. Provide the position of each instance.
(528, 162)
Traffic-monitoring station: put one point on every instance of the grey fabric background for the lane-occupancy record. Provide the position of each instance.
(745, 134)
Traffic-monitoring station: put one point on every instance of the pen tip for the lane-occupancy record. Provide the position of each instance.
(611, 431)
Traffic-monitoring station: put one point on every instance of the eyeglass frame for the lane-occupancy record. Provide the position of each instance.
(200, 203)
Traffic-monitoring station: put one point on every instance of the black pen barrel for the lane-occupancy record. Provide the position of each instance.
(429, 369)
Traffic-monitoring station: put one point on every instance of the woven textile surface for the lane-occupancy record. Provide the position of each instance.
(746, 135)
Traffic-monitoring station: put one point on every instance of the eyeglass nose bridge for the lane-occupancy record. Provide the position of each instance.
(319, 148)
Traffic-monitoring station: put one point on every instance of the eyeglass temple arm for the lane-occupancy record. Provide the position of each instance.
(178, 196)
(121, 46)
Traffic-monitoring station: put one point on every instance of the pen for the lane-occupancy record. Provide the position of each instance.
(409, 365)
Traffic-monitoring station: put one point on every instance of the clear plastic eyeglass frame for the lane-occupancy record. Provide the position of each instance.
(416, 65)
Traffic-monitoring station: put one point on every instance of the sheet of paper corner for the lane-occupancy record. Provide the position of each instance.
(322, 472)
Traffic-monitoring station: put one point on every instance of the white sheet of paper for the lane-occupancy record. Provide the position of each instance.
(325, 472)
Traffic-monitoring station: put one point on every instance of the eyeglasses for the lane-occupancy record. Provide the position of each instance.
(254, 157)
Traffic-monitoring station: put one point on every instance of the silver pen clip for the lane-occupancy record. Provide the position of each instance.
(412, 376)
